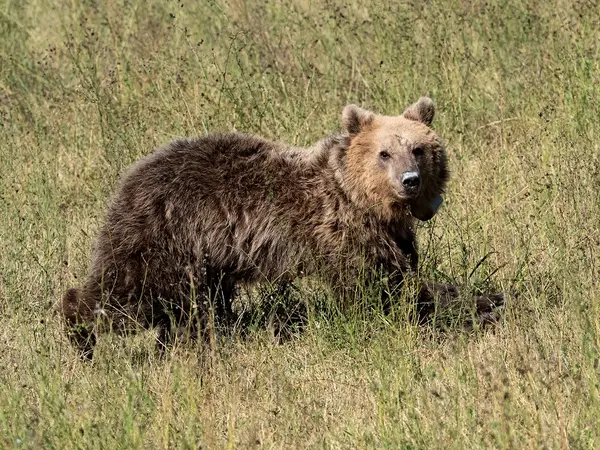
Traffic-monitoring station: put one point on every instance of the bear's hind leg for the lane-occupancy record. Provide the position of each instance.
(177, 321)
(171, 333)
(196, 317)
(79, 321)
(219, 295)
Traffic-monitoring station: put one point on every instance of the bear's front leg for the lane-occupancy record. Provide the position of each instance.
(439, 298)
(488, 308)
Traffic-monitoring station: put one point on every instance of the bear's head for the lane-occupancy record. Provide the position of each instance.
(396, 164)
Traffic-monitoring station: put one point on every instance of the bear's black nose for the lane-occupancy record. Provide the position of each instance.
(411, 180)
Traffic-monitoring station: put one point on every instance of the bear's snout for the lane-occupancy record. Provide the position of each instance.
(411, 182)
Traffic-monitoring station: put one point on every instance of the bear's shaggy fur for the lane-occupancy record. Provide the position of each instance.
(197, 217)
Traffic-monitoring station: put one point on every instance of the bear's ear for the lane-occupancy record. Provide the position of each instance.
(355, 118)
(421, 111)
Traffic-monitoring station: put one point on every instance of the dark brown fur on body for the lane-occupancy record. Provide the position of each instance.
(195, 218)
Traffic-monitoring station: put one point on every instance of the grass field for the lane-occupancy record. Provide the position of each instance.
(88, 87)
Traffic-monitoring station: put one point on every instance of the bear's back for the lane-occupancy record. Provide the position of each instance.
(216, 165)
(240, 191)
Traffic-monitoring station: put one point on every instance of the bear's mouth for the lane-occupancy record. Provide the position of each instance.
(404, 195)
(425, 211)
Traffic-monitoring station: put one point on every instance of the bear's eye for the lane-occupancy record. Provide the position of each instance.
(418, 151)
(384, 155)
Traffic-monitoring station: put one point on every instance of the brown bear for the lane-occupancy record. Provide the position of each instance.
(195, 218)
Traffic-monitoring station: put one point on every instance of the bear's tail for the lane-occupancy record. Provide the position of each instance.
(79, 327)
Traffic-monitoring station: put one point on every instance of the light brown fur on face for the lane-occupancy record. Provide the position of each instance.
(384, 148)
